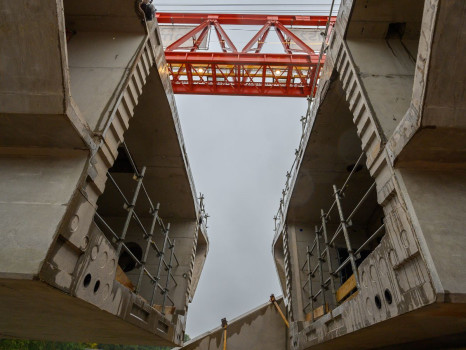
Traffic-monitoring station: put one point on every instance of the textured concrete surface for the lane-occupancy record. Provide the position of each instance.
(79, 78)
(259, 329)
(438, 198)
(433, 128)
(97, 63)
(382, 62)
(35, 192)
(55, 315)
(32, 61)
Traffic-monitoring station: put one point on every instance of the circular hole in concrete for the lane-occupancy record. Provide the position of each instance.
(96, 286)
(126, 261)
(388, 296)
(378, 302)
(87, 280)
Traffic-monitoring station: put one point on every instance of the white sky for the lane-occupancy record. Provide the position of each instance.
(239, 149)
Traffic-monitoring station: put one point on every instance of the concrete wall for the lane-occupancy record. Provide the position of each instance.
(433, 128)
(444, 101)
(32, 64)
(383, 39)
(437, 196)
(34, 89)
(259, 329)
(400, 281)
(55, 156)
(104, 16)
(53, 315)
(98, 63)
(44, 143)
(36, 188)
(386, 68)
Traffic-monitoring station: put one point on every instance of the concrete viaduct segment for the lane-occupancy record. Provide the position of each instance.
(259, 329)
(370, 243)
(102, 236)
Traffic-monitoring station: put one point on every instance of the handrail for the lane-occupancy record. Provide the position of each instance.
(323, 255)
(132, 216)
(306, 122)
(322, 231)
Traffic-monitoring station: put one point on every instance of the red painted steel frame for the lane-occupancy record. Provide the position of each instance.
(238, 19)
(273, 59)
(241, 73)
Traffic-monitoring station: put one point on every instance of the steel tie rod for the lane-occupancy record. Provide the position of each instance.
(352, 171)
(131, 254)
(107, 226)
(370, 239)
(363, 199)
(118, 188)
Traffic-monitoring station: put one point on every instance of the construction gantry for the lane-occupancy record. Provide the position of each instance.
(248, 71)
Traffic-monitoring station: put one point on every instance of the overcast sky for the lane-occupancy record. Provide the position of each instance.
(239, 149)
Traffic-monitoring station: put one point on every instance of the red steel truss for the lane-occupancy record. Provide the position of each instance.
(245, 72)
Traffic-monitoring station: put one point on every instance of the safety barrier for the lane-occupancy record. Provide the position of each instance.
(324, 256)
(168, 246)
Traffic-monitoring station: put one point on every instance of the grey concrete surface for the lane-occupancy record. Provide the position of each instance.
(437, 197)
(103, 16)
(259, 329)
(433, 128)
(32, 61)
(98, 62)
(392, 86)
(57, 145)
(416, 330)
(382, 61)
(53, 315)
(35, 192)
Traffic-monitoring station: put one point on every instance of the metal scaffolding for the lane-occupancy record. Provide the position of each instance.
(168, 247)
(327, 280)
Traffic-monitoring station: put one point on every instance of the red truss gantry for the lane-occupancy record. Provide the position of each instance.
(245, 72)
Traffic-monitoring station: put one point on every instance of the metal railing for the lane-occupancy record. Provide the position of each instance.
(306, 125)
(324, 256)
(168, 247)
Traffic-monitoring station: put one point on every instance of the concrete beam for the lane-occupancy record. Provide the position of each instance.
(260, 328)
(409, 280)
(433, 128)
(57, 145)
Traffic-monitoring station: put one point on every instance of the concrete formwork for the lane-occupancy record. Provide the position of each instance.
(79, 78)
(385, 91)
(260, 329)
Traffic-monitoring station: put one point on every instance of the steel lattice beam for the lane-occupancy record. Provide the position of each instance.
(248, 72)
(238, 19)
